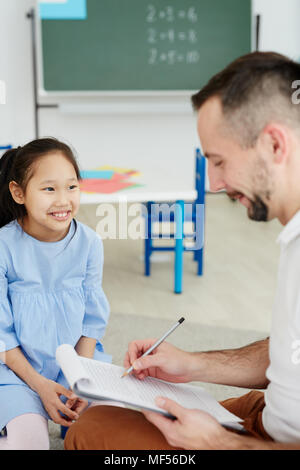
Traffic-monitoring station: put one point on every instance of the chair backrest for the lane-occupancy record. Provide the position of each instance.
(200, 176)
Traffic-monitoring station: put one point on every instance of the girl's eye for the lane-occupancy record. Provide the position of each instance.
(48, 189)
(218, 163)
(73, 186)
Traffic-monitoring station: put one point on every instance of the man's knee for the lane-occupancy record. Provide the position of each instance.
(71, 441)
(88, 431)
(111, 428)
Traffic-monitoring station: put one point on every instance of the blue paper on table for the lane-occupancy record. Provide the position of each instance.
(63, 10)
(100, 174)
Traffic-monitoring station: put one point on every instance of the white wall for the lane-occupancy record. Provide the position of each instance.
(136, 139)
(16, 116)
(280, 30)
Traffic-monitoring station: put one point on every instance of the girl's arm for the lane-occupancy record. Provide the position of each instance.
(48, 390)
(17, 362)
(96, 304)
(86, 347)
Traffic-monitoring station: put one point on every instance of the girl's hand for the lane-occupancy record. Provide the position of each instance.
(50, 392)
(77, 404)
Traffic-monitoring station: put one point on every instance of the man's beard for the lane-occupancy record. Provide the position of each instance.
(258, 210)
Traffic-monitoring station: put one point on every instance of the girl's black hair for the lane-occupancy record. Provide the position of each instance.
(18, 164)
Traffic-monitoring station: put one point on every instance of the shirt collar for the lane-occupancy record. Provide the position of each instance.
(290, 231)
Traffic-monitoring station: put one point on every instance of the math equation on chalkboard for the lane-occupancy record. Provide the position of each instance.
(171, 35)
(142, 45)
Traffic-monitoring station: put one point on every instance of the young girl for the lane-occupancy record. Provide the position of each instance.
(50, 290)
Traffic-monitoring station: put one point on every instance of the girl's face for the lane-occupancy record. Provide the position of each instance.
(51, 198)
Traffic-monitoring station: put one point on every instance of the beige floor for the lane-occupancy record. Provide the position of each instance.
(236, 290)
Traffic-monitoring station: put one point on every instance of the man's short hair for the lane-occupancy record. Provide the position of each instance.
(254, 90)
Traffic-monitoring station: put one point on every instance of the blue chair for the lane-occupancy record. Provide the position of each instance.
(179, 212)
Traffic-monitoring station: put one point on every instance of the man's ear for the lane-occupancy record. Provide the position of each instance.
(276, 142)
(16, 192)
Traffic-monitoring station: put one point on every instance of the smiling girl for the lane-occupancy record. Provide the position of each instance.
(50, 290)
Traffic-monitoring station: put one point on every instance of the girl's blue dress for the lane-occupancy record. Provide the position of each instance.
(50, 294)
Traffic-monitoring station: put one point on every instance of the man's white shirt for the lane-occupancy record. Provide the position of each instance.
(281, 415)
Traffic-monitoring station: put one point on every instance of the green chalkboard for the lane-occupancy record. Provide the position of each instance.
(144, 44)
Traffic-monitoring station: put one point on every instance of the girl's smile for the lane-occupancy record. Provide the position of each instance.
(61, 216)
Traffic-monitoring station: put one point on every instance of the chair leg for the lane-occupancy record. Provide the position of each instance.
(199, 241)
(63, 430)
(179, 218)
(148, 239)
(199, 260)
(147, 255)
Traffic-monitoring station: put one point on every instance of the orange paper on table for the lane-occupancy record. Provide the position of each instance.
(104, 186)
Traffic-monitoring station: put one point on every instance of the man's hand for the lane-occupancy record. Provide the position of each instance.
(195, 429)
(166, 362)
(192, 429)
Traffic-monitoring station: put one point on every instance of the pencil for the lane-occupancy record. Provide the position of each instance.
(156, 344)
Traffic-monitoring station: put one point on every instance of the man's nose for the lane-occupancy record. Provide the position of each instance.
(216, 182)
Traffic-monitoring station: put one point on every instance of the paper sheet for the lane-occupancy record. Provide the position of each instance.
(100, 174)
(104, 380)
(116, 183)
(72, 367)
(109, 383)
